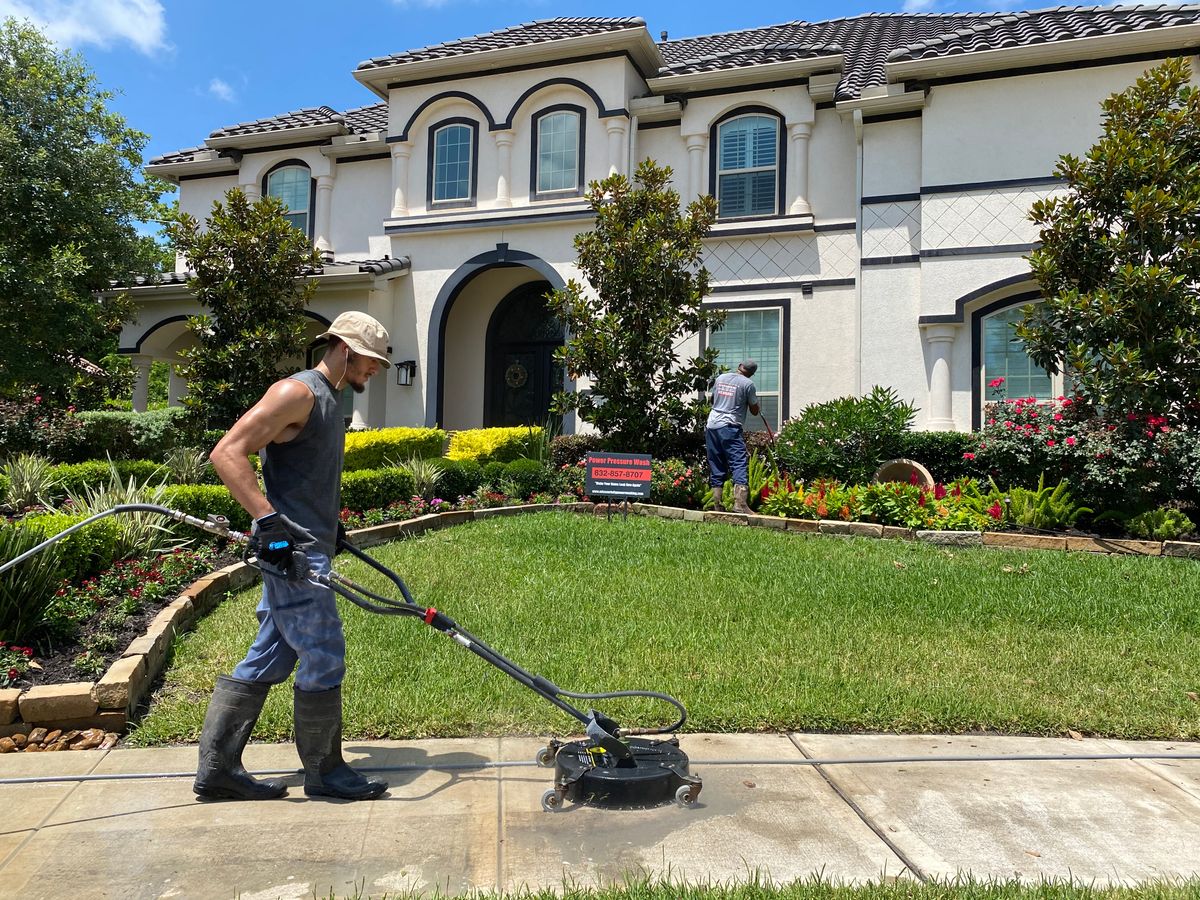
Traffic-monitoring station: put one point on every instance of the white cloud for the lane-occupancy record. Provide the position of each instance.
(73, 23)
(221, 90)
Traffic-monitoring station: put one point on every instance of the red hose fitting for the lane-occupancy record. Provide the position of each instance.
(430, 612)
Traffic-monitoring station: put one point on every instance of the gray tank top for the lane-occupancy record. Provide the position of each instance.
(303, 476)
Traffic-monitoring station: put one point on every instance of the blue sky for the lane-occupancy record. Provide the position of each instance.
(182, 68)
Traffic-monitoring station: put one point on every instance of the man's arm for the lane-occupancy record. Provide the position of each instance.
(752, 399)
(278, 416)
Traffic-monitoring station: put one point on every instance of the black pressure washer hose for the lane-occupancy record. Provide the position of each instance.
(600, 728)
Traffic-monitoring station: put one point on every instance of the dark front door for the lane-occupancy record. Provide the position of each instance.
(521, 371)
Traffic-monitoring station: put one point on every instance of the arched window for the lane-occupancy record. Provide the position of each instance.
(557, 165)
(452, 169)
(1006, 370)
(748, 166)
(292, 184)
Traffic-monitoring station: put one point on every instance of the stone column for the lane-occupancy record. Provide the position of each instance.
(616, 140)
(141, 382)
(324, 205)
(177, 387)
(504, 142)
(695, 148)
(798, 164)
(940, 339)
(250, 189)
(401, 153)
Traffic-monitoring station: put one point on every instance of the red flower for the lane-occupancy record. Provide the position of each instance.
(28, 651)
(1070, 442)
(1049, 443)
(13, 674)
(995, 382)
(939, 491)
(996, 511)
(968, 456)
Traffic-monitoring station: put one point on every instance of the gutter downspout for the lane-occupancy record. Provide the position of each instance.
(858, 237)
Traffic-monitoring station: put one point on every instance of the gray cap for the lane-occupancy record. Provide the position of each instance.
(748, 367)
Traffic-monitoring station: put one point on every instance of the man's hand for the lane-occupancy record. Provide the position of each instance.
(275, 539)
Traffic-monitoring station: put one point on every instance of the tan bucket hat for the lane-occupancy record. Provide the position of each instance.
(362, 334)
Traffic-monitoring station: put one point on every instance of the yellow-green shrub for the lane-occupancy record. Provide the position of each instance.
(491, 444)
(202, 500)
(372, 449)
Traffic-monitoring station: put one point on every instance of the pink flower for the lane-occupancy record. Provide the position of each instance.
(13, 674)
(1049, 443)
(1058, 417)
(996, 511)
(939, 491)
(968, 456)
(995, 382)
(1070, 442)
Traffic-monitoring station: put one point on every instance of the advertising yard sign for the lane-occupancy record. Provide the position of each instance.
(618, 476)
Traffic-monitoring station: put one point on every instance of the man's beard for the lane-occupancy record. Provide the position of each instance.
(359, 386)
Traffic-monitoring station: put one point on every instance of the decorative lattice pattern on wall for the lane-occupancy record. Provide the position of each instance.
(980, 218)
(786, 257)
(892, 229)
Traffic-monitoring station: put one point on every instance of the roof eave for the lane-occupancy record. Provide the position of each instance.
(267, 138)
(885, 104)
(210, 165)
(791, 68)
(635, 40)
(1112, 45)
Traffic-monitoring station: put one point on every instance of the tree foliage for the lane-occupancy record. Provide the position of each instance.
(1120, 258)
(249, 265)
(643, 262)
(69, 201)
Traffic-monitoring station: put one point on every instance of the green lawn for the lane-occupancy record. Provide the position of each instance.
(752, 629)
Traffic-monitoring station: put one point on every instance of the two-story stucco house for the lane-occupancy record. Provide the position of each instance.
(873, 176)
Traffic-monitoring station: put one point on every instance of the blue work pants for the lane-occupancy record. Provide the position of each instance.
(726, 449)
(297, 622)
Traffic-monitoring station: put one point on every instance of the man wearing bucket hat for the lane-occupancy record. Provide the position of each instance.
(733, 394)
(298, 431)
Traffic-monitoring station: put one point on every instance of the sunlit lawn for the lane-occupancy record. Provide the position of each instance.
(752, 629)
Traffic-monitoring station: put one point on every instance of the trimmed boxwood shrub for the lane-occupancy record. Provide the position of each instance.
(72, 478)
(527, 476)
(201, 500)
(493, 472)
(941, 452)
(460, 478)
(82, 553)
(375, 488)
(377, 449)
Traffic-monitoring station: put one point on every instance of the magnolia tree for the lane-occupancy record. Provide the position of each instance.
(643, 263)
(250, 266)
(1119, 262)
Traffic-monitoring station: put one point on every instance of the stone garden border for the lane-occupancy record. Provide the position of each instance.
(107, 704)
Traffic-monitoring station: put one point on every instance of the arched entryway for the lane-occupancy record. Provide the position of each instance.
(522, 375)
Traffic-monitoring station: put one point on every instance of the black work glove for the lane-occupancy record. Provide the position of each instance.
(341, 536)
(280, 543)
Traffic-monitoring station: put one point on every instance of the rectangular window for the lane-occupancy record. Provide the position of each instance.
(558, 152)
(452, 163)
(1004, 357)
(747, 167)
(755, 334)
(292, 186)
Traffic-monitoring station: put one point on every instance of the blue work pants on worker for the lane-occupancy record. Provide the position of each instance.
(726, 449)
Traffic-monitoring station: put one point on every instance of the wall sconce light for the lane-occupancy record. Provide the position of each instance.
(405, 372)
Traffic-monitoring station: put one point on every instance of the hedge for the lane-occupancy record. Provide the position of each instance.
(129, 435)
(486, 445)
(201, 500)
(376, 449)
(375, 488)
(72, 478)
(941, 452)
(568, 449)
(82, 553)
(460, 478)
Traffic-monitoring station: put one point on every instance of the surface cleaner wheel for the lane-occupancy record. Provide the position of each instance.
(545, 758)
(551, 801)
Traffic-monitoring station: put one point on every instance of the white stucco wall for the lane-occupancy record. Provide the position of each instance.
(361, 201)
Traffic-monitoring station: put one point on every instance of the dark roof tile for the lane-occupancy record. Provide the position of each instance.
(537, 32)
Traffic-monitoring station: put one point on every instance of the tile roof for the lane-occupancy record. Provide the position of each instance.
(537, 32)
(872, 40)
(868, 43)
(1023, 29)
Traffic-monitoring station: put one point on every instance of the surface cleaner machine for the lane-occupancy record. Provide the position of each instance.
(613, 766)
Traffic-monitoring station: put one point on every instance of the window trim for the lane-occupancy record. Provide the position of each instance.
(535, 137)
(264, 189)
(781, 168)
(473, 177)
(784, 307)
(978, 374)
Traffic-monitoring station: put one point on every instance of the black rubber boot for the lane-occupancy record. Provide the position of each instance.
(232, 712)
(319, 743)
